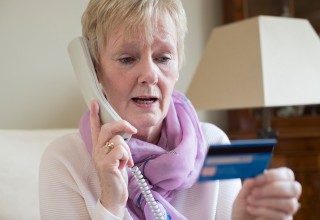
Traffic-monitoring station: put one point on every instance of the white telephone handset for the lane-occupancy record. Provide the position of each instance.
(91, 89)
(88, 81)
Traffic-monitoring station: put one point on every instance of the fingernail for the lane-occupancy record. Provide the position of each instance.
(131, 162)
(132, 128)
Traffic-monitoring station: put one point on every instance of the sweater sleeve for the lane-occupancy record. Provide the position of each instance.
(103, 214)
(66, 191)
(228, 189)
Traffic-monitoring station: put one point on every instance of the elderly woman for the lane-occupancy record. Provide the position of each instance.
(137, 47)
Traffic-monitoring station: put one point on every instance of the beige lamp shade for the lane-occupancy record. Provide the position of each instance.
(264, 61)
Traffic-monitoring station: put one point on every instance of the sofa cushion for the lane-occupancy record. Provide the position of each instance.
(20, 154)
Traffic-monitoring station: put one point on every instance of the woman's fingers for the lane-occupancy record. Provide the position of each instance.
(109, 130)
(111, 154)
(271, 195)
(266, 213)
(286, 206)
(280, 189)
(282, 173)
(279, 182)
(95, 123)
(110, 133)
(101, 134)
(121, 152)
(275, 194)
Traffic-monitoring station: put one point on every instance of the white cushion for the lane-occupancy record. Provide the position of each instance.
(20, 153)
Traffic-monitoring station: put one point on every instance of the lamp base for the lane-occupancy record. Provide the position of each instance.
(266, 131)
(268, 134)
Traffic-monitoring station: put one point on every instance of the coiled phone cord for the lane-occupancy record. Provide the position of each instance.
(147, 193)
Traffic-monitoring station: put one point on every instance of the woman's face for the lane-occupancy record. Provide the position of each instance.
(138, 78)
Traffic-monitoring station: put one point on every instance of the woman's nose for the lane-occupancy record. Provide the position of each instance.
(148, 72)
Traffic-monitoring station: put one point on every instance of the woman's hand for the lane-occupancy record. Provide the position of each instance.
(111, 163)
(271, 195)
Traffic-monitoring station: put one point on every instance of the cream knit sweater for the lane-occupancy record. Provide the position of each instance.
(69, 186)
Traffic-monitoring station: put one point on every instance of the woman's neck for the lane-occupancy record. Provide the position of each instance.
(149, 134)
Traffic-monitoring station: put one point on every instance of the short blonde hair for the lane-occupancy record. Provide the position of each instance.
(102, 17)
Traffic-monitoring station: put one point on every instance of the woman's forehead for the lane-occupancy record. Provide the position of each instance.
(162, 32)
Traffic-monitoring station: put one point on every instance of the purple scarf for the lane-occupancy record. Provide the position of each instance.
(171, 165)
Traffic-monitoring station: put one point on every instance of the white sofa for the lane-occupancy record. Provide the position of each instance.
(20, 153)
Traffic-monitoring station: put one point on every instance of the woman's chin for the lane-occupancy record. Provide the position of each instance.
(145, 120)
(141, 124)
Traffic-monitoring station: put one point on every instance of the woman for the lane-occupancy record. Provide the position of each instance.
(137, 49)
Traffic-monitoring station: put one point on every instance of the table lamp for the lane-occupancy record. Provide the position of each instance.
(265, 61)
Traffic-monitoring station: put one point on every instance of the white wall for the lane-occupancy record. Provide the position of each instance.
(37, 85)
(203, 16)
(37, 88)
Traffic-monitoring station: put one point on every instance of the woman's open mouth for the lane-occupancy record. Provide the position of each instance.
(144, 100)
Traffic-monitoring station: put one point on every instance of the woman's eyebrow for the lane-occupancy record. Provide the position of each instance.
(167, 43)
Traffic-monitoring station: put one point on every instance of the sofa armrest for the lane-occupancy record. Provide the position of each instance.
(20, 154)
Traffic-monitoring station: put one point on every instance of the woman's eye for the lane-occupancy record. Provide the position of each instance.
(126, 60)
(164, 59)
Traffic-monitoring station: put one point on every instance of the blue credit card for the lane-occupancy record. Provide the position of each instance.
(239, 159)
